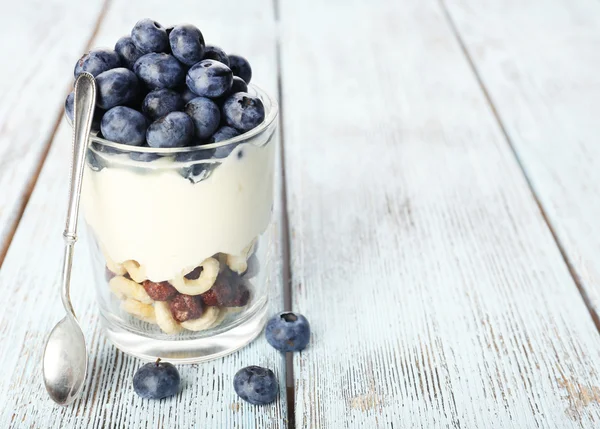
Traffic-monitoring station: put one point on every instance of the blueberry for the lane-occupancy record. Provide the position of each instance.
(240, 67)
(103, 148)
(150, 36)
(69, 105)
(160, 102)
(205, 114)
(215, 53)
(209, 78)
(159, 70)
(138, 102)
(256, 385)
(198, 171)
(127, 51)
(243, 111)
(143, 156)
(187, 95)
(93, 161)
(187, 44)
(173, 130)
(288, 332)
(97, 61)
(156, 380)
(238, 85)
(124, 125)
(224, 133)
(116, 87)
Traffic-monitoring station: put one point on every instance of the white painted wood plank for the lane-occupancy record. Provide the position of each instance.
(539, 61)
(41, 41)
(436, 294)
(31, 271)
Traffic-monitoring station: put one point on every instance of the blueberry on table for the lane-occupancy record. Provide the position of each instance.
(209, 78)
(127, 51)
(124, 125)
(256, 385)
(187, 44)
(116, 87)
(159, 70)
(150, 36)
(97, 61)
(288, 332)
(205, 114)
(160, 102)
(156, 380)
(240, 67)
(215, 53)
(243, 111)
(173, 130)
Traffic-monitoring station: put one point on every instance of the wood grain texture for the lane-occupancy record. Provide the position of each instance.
(539, 61)
(436, 293)
(31, 272)
(41, 44)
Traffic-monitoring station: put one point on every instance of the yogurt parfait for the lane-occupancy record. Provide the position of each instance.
(178, 194)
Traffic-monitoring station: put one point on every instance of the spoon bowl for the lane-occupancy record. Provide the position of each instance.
(65, 361)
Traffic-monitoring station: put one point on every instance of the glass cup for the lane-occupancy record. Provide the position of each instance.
(180, 242)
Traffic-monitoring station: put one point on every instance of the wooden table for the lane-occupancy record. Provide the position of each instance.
(438, 214)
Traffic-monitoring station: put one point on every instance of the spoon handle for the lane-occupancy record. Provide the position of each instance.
(85, 100)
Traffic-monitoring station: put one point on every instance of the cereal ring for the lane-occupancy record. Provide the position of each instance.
(118, 269)
(210, 271)
(143, 312)
(207, 320)
(222, 258)
(165, 319)
(223, 312)
(238, 263)
(136, 271)
(125, 288)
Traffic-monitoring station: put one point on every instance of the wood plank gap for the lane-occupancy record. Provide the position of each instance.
(46, 149)
(285, 236)
(572, 271)
(276, 13)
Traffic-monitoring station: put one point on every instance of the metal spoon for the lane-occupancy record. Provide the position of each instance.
(65, 355)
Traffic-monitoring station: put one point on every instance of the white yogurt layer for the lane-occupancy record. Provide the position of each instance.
(170, 225)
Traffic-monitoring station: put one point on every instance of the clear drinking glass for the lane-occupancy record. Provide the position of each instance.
(180, 242)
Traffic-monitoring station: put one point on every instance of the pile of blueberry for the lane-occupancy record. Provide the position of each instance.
(287, 332)
(165, 88)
